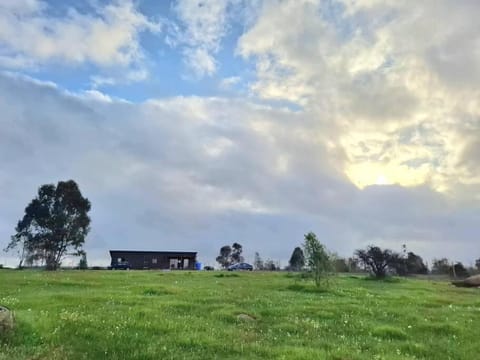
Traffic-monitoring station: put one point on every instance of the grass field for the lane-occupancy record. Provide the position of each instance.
(194, 315)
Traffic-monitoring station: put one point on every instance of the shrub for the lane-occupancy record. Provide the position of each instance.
(377, 260)
(83, 264)
(319, 264)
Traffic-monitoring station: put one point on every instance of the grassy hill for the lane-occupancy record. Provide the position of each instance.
(216, 315)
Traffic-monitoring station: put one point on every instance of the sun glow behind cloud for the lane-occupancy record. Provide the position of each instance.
(382, 180)
(366, 174)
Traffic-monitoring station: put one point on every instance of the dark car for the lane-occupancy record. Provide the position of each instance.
(240, 266)
(120, 265)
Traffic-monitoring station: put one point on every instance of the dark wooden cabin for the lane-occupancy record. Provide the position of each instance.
(154, 259)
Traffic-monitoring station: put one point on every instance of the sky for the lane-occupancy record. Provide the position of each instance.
(192, 124)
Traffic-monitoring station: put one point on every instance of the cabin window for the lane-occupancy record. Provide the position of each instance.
(154, 260)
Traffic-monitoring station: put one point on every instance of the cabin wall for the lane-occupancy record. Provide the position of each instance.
(155, 260)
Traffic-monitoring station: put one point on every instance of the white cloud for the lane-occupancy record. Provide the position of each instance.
(228, 82)
(107, 37)
(200, 61)
(196, 173)
(134, 74)
(97, 95)
(386, 74)
(385, 95)
(202, 25)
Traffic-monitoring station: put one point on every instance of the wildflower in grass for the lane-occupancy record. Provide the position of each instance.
(69, 316)
(9, 301)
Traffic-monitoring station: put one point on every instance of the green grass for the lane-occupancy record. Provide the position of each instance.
(193, 315)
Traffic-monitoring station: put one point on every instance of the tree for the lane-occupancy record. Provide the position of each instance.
(83, 264)
(477, 264)
(353, 264)
(340, 264)
(458, 270)
(441, 266)
(236, 256)
(376, 259)
(317, 259)
(258, 262)
(398, 263)
(230, 255)
(224, 258)
(271, 265)
(297, 260)
(408, 263)
(55, 224)
(415, 264)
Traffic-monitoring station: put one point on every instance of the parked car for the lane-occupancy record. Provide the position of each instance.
(240, 266)
(209, 268)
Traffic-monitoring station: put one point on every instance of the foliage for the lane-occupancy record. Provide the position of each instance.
(317, 260)
(271, 265)
(415, 264)
(444, 266)
(441, 266)
(377, 260)
(258, 262)
(398, 264)
(477, 264)
(407, 264)
(55, 222)
(236, 256)
(297, 260)
(224, 258)
(83, 264)
(459, 270)
(353, 264)
(341, 265)
(230, 255)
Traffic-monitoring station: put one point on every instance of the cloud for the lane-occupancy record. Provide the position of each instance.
(229, 82)
(199, 31)
(193, 173)
(107, 36)
(399, 88)
(382, 95)
(134, 74)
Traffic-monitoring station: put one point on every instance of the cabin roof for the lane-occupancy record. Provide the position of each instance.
(154, 252)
